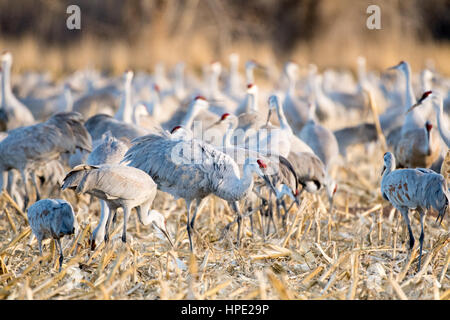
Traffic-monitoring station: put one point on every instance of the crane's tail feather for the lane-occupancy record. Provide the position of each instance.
(74, 179)
(286, 163)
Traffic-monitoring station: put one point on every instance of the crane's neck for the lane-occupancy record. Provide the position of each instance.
(214, 84)
(6, 82)
(190, 115)
(179, 83)
(413, 119)
(252, 102)
(284, 125)
(227, 143)
(235, 188)
(249, 75)
(390, 166)
(125, 110)
(3, 101)
(146, 216)
(442, 125)
(410, 99)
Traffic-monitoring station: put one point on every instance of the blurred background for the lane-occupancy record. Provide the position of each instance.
(116, 35)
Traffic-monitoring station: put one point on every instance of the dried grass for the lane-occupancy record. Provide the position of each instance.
(356, 253)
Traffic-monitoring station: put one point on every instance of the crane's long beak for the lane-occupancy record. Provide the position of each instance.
(165, 233)
(413, 106)
(384, 169)
(214, 124)
(268, 115)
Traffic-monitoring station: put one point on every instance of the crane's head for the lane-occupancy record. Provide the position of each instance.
(128, 76)
(234, 58)
(216, 68)
(389, 162)
(400, 66)
(428, 126)
(252, 88)
(6, 57)
(424, 96)
(158, 221)
(291, 69)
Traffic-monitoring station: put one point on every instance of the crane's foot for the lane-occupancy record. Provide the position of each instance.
(93, 245)
(61, 258)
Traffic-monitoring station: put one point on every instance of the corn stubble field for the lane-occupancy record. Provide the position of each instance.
(357, 252)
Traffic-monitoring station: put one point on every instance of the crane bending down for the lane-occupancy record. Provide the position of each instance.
(193, 170)
(52, 218)
(414, 189)
(26, 148)
(118, 186)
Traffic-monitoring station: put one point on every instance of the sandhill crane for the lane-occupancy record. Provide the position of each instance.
(321, 140)
(279, 140)
(43, 108)
(234, 80)
(28, 147)
(13, 113)
(126, 108)
(52, 218)
(437, 102)
(295, 109)
(109, 151)
(101, 123)
(197, 110)
(414, 189)
(417, 146)
(120, 187)
(193, 170)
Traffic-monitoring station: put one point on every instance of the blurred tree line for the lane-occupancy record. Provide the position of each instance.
(281, 22)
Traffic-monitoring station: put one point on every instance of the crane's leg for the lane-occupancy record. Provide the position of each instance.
(126, 214)
(23, 174)
(108, 223)
(404, 212)
(3, 177)
(61, 257)
(197, 206)
(33, 179)
(188, 225)
(235, 206)
(422, 235)
(99, 231)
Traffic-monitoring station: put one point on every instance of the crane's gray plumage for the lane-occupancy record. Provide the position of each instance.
(26, 148)
(192, 169)
(418, 188)
(118, 186)
(109, 151)
(52, 218)
(100, 123)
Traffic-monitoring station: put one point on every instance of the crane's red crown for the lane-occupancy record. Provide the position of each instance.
(200, 98)
(250, 85)
(429, 126)
(224, 116)
(426, 94)
(156, 87)
(261, 164)
(175, 129)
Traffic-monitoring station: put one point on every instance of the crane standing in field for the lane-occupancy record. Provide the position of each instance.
(414, 189)
(26, 148)
(193, 169)
(13, 113)
(109, 151)
(119, 186)
(437, 103)
(52, 218)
